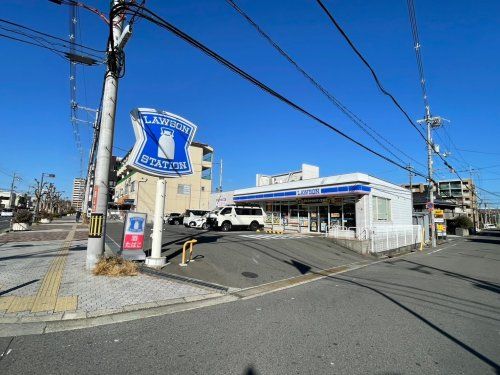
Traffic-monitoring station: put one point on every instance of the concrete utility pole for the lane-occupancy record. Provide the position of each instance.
(220, 176)
(97, 231)
(431, 122)
(431, 184)
(12, 187)
(410, 172)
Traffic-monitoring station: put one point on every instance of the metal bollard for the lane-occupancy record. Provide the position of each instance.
(190, 243)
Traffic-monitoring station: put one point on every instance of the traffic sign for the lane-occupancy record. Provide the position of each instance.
(162, 143)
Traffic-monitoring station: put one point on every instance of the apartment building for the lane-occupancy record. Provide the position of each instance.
(78, 193)
(455, 197)
(136, 191)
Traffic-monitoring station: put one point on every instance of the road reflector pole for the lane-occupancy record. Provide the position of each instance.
(422, 241)
(184, 247)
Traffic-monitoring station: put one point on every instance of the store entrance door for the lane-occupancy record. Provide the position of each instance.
(313, 221)
(323, 218)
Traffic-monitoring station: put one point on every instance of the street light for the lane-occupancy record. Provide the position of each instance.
(50, 175)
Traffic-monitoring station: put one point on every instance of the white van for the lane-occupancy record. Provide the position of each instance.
(229, 217)
(190, 217)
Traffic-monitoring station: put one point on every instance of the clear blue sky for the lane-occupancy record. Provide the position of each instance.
(251, 131)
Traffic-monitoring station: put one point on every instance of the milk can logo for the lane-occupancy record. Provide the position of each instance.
(162, 143)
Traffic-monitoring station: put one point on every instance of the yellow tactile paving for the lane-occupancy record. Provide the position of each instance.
(68, 303)
(46, 297)
(5, 302)
(21, 304)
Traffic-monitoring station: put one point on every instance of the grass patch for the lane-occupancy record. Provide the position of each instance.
(115, 266)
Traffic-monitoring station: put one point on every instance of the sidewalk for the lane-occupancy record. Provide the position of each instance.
(43, 278)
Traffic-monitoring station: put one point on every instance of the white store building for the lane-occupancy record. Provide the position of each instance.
(367, 213)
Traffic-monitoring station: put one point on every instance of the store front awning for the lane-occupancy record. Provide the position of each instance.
(323, 191)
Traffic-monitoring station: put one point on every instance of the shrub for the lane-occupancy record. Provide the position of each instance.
(462, 221)
(45, 215)
(22, 216)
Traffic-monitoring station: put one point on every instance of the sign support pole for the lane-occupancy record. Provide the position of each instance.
(156, 260)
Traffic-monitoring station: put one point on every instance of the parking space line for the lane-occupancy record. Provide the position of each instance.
(444, 248)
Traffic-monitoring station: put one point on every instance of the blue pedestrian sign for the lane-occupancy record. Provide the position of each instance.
(162, 143)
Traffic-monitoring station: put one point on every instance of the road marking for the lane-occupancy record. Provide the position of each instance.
(444, 248)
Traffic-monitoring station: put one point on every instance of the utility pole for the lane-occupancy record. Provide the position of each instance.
(410, 172)
(91, 168)
(431, 122)
(431, 184)
(97, 230)
(12, 187)
(220, 177)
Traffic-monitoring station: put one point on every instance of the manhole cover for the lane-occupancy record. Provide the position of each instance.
(250, 275)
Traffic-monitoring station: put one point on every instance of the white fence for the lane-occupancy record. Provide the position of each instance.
(381, 238)
(385, 238)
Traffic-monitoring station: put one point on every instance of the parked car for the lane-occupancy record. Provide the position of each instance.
(190, 217)
(229, 217)
(489, 226)
(7, 212)
(175, 218)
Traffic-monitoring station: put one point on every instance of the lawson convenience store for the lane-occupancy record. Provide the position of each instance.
(354, 201)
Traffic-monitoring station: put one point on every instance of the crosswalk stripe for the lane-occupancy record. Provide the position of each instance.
(274, 236)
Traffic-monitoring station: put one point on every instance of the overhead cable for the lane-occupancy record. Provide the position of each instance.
(354, 118)
(154, 18)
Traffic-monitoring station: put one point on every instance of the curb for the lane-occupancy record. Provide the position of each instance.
(78, 319)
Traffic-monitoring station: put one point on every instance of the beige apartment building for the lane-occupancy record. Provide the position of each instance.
(136, 191)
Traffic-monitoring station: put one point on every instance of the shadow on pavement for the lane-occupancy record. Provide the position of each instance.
(18, 287)
(452, 338)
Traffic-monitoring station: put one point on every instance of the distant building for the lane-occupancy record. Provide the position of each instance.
(78, 193)
(6, 199)
(455, 197)
(136, 191)
(307, 172)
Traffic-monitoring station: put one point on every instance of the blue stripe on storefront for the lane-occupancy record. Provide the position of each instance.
(323, 191)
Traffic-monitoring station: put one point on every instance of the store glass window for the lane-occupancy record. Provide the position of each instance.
(381, 209)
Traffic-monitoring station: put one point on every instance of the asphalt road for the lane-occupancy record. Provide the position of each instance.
(422, 314)
(242, 259)
(4, 222)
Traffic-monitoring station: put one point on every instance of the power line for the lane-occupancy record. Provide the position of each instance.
(479, 152)
(353, 117)
(41, 36)
(154, 18)
(54, 50)
(367, 64)
(377, 81)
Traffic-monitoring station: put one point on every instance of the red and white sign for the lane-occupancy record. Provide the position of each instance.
(133, 235)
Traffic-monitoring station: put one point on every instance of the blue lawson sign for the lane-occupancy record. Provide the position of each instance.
(303, 193)
(162, 142)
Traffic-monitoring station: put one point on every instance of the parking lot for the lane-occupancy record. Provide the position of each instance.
(242, 259)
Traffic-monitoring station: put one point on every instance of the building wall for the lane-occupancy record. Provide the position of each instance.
(186, 192)
(400, 203)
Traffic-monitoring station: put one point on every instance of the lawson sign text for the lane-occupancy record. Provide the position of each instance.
(162, 143)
